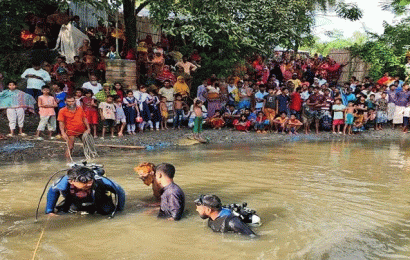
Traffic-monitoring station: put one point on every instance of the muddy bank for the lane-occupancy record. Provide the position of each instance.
(19, 149)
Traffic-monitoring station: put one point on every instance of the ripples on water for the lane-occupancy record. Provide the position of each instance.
(334, 200)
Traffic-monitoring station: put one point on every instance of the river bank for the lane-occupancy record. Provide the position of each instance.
(19, 149)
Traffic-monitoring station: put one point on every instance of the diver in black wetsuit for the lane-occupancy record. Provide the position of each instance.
(220, 219)
(83, 190)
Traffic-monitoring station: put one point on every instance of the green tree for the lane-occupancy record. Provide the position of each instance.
(387, 52)
(399, 7)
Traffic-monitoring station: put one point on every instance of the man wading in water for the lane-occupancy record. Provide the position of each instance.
(220, 219)
(73, 122)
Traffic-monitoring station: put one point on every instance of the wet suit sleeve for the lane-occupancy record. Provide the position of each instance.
(54, 193)
(237, 226)
(117, 189)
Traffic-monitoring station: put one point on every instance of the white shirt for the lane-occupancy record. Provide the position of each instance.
(168, 93)
(305, 95)
(260, 95)
(33, 83)
(94, 89)
(141, 97)
(322, 82)
(231, 88)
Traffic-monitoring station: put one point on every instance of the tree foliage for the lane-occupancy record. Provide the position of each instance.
(337, 42)
(228, 29)
(255, 24)
(233, 29)
(398, 7)
(387, 52)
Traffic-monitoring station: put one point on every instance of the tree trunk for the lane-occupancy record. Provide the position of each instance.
(130, 21)
(296, 47)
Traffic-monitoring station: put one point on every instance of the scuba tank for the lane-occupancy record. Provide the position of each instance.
(246, 214)
(98, 170)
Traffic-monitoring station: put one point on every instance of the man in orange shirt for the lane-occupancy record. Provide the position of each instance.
(73, 122)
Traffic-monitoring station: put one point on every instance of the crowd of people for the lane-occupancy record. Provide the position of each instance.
(282, 94)
(263, 100)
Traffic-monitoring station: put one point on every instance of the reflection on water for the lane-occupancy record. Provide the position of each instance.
(336, 200)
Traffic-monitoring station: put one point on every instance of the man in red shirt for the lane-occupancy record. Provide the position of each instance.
(296, 103)
(73, 122)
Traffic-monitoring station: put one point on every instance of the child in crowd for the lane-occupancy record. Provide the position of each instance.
(46, 104)
(216, 121)
(89, 105)
(107, 113)
(382, 107)
(358, 124)
(178, 110)
(144, 101)
(112, 54)
(60, 96)
(270, 107)
(197, 130)
(371, 102)
(119, 90)
(230, 114)
(261, 122)
(154, 109)
(90, 60)
(78, 67)
(78, 96)
(120, 118)
(349, 118)
(15, 101)
(338, 116)
(164, 113)
(283, 102)
(69, 85)
(131, 111)
(242, 124)
(293, 125)
(280, 122)
(371, 119)
(260, 97)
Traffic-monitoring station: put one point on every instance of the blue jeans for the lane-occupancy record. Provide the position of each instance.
(35, 93)
(296, 113)
(178, 117)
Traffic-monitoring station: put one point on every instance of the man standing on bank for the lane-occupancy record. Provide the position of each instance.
(73, 122)
(172, 197)
(220, 219)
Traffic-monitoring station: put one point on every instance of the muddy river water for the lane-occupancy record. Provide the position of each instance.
(319, 200)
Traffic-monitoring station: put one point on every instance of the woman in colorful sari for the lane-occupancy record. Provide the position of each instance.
(166, 74)
(214, 99)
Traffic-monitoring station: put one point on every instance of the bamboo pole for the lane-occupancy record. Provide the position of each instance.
(133, 147)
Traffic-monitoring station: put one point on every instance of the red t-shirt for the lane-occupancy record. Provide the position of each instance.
(73, 121)
(295, 102)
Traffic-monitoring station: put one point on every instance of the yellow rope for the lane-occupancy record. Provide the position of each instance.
(39, 240)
